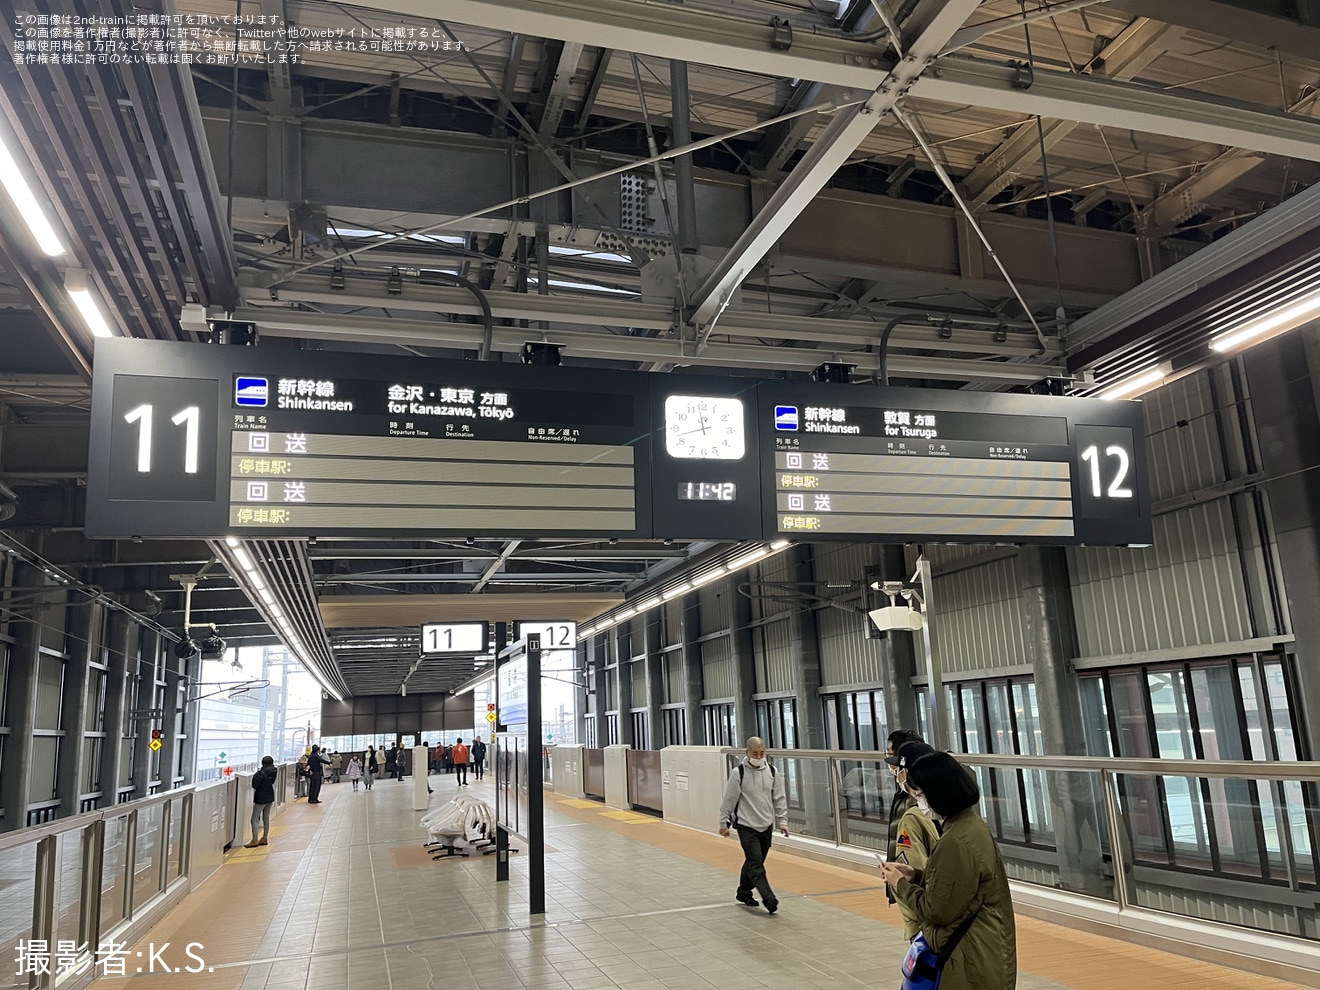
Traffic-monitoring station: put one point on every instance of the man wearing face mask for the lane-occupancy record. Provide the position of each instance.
(755, 803)
(915, 834)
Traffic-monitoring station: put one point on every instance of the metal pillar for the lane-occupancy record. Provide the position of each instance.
(694, 683)
(681, 125)
(898, 655)
(937, 716)
(535, 782)
(621, 644)
(16, 773)
(743, 651)
(655, 680)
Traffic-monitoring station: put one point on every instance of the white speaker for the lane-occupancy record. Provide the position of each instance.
(896, 617)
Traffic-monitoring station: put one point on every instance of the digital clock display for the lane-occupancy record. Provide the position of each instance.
(707, 491)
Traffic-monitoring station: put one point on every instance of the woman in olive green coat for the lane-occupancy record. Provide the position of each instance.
(964, 877)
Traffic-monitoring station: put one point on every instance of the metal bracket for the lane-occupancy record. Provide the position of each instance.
(1026, 75)
(782, 40)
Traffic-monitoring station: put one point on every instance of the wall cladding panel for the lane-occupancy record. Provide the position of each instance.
(846, 655)
(1182, 437)
(776, 667)
(977, 617)
(717, 670)
(715, 611)
(1185, 590)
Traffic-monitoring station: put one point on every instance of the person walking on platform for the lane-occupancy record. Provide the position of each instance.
(263, 796)
(336, 766)
(373, 766)
(478, 755)
(460, 757)
(756, 804)
(316, 764)
(391, 757)
(961, 898)
(914, 834)
(354, 771)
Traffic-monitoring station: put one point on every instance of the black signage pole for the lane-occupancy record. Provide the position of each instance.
(535, 779)
(501, 766)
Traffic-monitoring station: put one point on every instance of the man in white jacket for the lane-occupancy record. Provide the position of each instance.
(755, 804)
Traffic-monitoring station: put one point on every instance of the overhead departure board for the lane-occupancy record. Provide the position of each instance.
(865, 463)
(198, 440)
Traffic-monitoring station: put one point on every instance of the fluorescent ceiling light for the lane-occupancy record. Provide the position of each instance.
(676, 591)
(78, 287)
(16, 184)
(779, 544)
(231, 542)
(587, 631)
(1138, 384)
(267, 597)
(627, 613)
(745, 559)
(1270, 325)
(244, 561)
(709, 576)
(588, 287)
(649, 604)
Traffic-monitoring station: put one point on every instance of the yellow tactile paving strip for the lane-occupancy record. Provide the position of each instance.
(232, 911)
(1074, 959)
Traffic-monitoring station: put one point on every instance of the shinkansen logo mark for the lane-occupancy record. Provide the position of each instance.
(251, 391)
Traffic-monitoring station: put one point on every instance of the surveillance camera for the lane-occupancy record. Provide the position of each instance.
(213, 646)
(185, 649)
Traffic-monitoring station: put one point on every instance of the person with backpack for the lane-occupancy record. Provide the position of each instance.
(478, 757)
(755, 804)
(263, 796)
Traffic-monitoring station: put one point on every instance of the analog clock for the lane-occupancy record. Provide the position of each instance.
(704, 427)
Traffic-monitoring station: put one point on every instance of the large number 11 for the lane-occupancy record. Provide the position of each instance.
(142, 415)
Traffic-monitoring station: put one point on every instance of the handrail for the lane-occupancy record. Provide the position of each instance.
(1272, 770)
(35, 833)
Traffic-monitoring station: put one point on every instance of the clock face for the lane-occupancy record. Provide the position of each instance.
(704, 428)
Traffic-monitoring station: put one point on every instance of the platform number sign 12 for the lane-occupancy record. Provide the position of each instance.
(554, 635)
(1106, 482)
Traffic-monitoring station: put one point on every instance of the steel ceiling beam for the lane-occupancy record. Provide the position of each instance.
(927, 30)
(674, 31)
(612, 347)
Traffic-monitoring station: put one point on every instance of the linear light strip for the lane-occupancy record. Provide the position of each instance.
(16, 184)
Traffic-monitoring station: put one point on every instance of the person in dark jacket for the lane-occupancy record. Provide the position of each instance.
(478, 757)
(964, 881)
(263, 796)
(916, 833)
(900, 802)
(316, 764)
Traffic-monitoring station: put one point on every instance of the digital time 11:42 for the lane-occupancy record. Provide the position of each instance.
(707, 491)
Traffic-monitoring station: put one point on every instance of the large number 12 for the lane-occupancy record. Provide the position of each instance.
(1116, 490)
(142, 415)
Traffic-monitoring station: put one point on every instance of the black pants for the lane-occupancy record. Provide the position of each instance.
(314, 788)
(461, 768)
(755, 847)
(477, 771)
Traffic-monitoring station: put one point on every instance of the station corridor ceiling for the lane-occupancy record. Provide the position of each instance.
(944, 193)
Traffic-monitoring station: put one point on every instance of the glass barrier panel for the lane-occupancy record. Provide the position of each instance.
(175, 851)
(1230, 860)
(114, 864)
(68, 902)
(867, 790)
(146, 863)
(18, 868)
(810, 797)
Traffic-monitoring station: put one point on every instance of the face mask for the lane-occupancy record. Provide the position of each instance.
(924, 806)
(755, 763)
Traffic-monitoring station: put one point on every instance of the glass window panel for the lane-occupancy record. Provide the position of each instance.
(1035, 783)
(832, 740)
(922, 728)
(1232, 802)
(865, 722)
(1142, 802)
(113, 864)
(1173, 737)
(1004, 783)
(146, 863)
(973, 731)
(788, 713)
(1276, 692)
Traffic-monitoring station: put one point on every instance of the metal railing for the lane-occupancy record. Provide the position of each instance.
(74, 888)
(1229, 842)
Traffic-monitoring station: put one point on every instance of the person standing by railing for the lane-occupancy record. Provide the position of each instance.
(962, 895)
(263, 796)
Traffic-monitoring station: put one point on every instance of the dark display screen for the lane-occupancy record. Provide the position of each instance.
(707, 491)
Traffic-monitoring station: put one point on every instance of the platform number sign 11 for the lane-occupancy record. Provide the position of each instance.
(163, 439)
(554, 635)
(468, 638)
(1106, 482)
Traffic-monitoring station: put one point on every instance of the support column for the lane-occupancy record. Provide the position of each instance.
(898, 654)
(16, 774)
(1282, 377)
(694, 683)
(655, 681)
(120, 639)
(83, 640)
(191, 712)
(172, 720)
(742, 651)
(681, 125)
(140, 726)
(1049, 633)
(805, 639)
(621, 648)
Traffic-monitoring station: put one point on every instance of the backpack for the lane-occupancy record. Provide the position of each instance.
(742, 768)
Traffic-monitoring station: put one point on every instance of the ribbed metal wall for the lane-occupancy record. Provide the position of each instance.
(1188, 588)
(768, 585)
(977, 617)
(1232, 909)
(717, 668)
(1185, 590)
(775, 661)
(674, 693)
(846, 655)
(639, 694)
(714, 599)
(672, 627)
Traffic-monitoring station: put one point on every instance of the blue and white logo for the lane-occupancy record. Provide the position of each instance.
(786, 417)
(251, 391)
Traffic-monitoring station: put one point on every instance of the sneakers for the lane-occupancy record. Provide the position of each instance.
(747, 899)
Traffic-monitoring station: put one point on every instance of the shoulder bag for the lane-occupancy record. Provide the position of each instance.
(923, 966)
